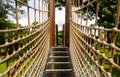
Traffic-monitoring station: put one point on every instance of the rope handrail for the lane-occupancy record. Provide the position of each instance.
(24, 50)
(91, 53)
(76, 32)
(31, 7)
(24, 28)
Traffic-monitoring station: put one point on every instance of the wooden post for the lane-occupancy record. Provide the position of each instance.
(52, 22)
(56, 35)
(63, 34)
(67, 22)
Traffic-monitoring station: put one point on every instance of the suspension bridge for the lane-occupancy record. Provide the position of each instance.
(32, 50)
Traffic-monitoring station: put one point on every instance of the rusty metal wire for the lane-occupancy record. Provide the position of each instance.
(91, 54)
(25, 50)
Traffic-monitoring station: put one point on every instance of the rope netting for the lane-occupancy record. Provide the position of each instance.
(24, 50)
(92, 54)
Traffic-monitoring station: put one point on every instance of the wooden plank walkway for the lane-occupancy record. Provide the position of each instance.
(59, 64)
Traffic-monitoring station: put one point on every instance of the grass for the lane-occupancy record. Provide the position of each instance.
(3, 66)
(115, 71)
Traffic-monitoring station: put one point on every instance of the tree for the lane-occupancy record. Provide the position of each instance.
(59, 3)
(7, 8)
(107, 15)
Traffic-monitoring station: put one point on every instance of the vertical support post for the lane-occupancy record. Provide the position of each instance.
(35, 10)
(67, 23)
(81, 13)
(16, 7)
(52, 22)
(63, 34)
(56, 34)
(115, 33)
(87, 13)
(42, 11)
(39, 9)
(28, 12)
(97, 10)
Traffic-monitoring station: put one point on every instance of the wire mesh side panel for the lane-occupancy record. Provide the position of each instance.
(24, 50)
(91, 53)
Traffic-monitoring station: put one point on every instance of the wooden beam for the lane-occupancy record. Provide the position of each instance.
(67, 22)
(52, 22)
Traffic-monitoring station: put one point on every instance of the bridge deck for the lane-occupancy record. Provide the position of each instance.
(59, 64)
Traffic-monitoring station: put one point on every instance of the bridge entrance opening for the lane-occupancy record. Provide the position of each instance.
(60, 21)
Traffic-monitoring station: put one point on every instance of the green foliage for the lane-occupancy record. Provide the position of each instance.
(107, 13)
(34, 23)
(3, 66)
(118, 40)
(7, 8)
(60, 37)
(60, 41)
(60, 33)
(115, 72)
(7, 24)
(59, 3)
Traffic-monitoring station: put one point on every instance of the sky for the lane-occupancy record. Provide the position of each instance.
(59, 16)
(23, 19)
